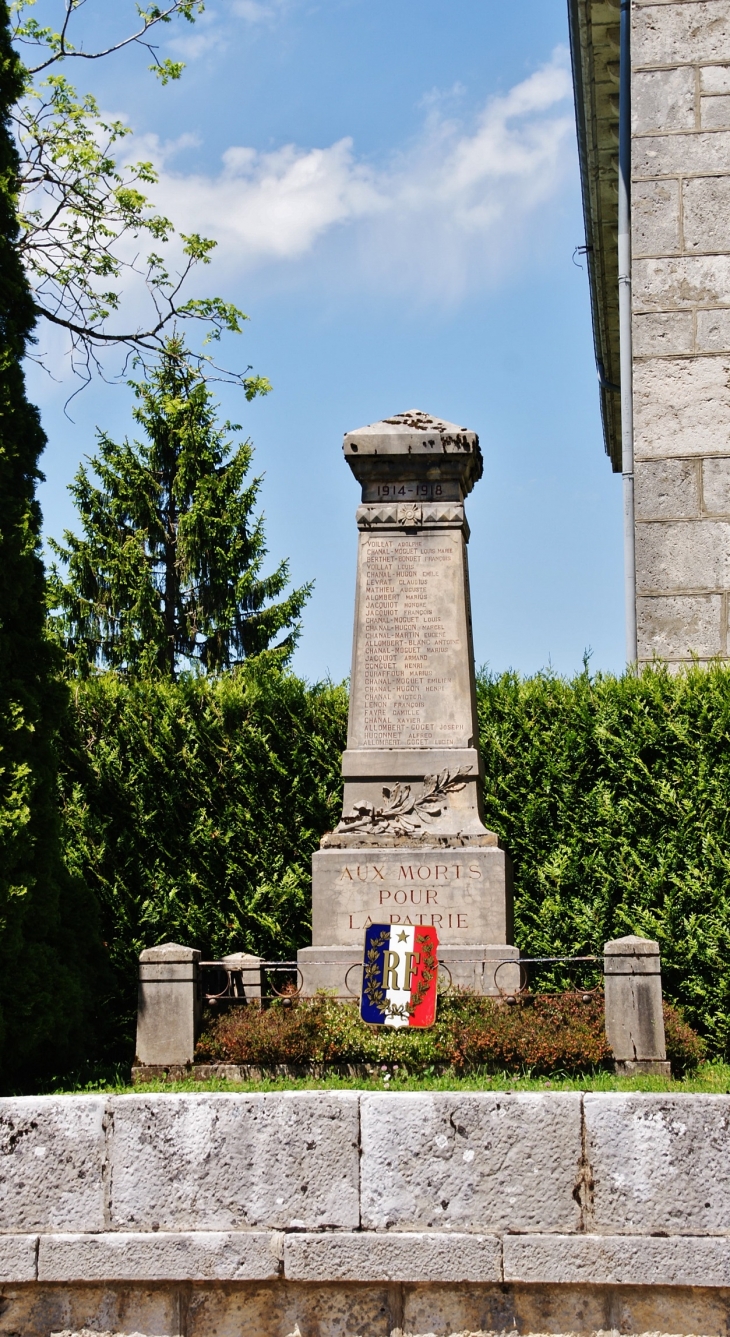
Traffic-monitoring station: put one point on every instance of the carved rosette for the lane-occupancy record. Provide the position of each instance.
(412, 515)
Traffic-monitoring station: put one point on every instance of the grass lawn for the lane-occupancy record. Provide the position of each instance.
(711, 1078)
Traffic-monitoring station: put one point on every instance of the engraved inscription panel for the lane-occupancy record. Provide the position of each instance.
(435, 892)
(461, 894)
(410, 673)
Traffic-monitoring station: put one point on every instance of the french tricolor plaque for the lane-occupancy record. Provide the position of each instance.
(400, 975)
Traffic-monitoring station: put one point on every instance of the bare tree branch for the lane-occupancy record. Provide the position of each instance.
(30, 33)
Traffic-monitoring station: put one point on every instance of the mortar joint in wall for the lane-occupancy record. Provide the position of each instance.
(359, 1163)
(183, 1309)
(106, 1167)
(396, 1306)
(276, 1245)
(700, 479)
(584, 1183)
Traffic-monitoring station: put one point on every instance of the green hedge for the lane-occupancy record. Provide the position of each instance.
(192, 809)
(613, 797)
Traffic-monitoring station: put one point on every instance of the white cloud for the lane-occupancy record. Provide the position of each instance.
(206, 35)
(194, 45)
(449, 211)
(266, 206)
(256, 11)
(212, 28)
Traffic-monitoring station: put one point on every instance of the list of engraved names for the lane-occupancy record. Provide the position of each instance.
(410, 687)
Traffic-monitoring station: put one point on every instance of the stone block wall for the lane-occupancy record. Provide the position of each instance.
(681, 325)
(352, 1214)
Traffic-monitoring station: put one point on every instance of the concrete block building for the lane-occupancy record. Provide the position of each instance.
(667, 63)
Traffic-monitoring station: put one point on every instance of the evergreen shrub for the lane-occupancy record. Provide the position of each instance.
(49, 948)
(192, 809)
(613, 798)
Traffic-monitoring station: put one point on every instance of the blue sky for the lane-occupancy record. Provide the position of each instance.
(393, 187)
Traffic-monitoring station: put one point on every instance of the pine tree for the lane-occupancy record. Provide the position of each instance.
(168, 572)
(44, 920)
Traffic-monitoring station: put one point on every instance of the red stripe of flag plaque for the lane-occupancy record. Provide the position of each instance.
(400, 975)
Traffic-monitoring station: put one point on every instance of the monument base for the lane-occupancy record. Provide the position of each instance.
(488, 969)
(465, 894)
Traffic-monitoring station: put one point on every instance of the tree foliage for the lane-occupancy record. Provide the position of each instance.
(170, 565)
(80, 205)
(48, 946)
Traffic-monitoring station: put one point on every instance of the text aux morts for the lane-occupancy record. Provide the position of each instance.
(418, 896)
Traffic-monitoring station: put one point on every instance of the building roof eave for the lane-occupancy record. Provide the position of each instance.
(594, 49)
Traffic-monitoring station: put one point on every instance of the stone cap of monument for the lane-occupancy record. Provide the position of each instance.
(414, 445)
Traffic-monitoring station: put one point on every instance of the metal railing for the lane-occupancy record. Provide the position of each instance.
(254, 983)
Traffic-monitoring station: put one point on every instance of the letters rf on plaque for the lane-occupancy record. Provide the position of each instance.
(400, 975)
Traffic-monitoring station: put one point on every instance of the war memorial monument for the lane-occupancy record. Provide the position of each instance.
(411, 847)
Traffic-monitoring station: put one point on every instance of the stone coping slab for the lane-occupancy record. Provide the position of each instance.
(369, 1256)
(52, 1154)
(187, 1256)
(618, 1260)
(18, 1258)
(228, 1162)
(660, 1162)
(481, 1162)
(393, 1257)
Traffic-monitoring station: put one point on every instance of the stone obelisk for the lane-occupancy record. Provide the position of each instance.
(411, 847)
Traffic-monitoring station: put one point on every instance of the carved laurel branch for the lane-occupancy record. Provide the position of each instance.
(402, 814)
(429, 966)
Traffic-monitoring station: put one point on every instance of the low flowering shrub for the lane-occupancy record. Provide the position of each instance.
(544, 1033)
(286, 1032)
(685, 1048)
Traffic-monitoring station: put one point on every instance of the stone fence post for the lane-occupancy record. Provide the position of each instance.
(634, 1018)
(250, 975)
(169, 1005)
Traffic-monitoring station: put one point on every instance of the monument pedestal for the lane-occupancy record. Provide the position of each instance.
(412, 847)
(465, 893)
